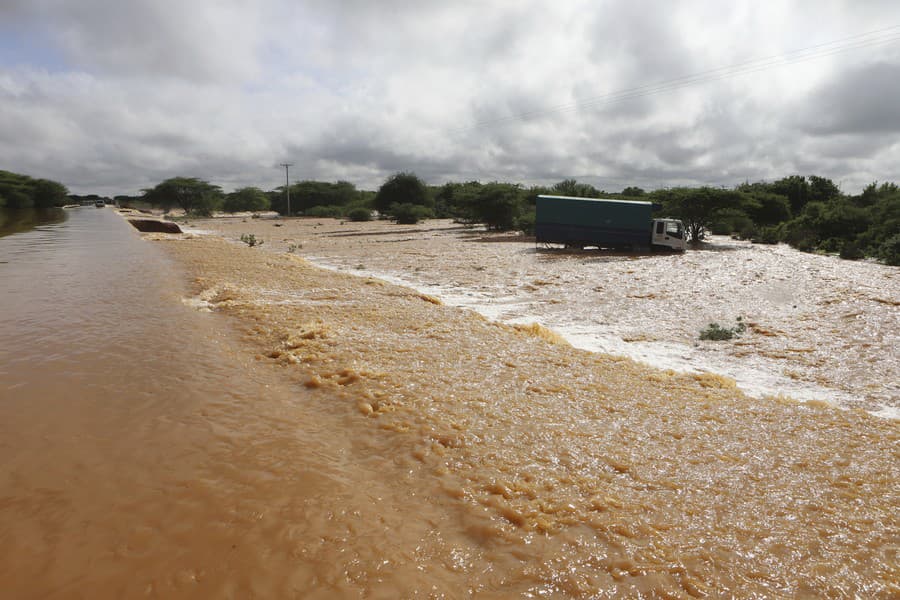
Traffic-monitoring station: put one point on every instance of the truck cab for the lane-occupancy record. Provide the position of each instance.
(669, 233)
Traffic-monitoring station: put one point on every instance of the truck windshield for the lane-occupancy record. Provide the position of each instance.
(673, 228)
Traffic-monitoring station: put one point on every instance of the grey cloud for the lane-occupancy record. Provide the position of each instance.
(16, 9)
(453, 91)
(865, 100)
(644, 46)
(166, 38)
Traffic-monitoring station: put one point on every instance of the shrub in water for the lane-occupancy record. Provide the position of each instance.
(851, 251)
(360, 214)
(748, 232)
(329, 212)
(409, 214)
(716, 332)
(767, 235)
(890, 250)
(250, 240)
(525, 222)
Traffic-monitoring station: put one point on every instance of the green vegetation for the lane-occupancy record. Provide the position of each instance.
(409, 214)
(716, 332)
(405, 198)
(21, 192)
(251, 240)
(809, 213)
(360, 213)
(195, 196)
(307, 195)
(330, 212)
(698, 208)
(248, 199)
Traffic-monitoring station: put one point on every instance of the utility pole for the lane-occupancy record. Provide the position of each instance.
(287, 185)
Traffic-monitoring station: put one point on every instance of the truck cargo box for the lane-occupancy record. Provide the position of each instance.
(600, 222)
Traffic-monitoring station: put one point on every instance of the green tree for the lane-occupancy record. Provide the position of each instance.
(250, 199)
(48, 193)
(402, 188)
(873, 193)
(698, 208)
(570, 187)
(889, 251)
(359, 213)
(21, 191)
(633, 191)
(730, 221)
(499, 205)
(765, 208)
(458, 201)
(795, 189)
(194, 195)
(822, 189)
(409, 214)
(307, 194)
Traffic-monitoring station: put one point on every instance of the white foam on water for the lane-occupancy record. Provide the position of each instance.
(754, 381)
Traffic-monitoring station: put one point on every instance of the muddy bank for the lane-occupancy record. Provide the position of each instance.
(551, 470)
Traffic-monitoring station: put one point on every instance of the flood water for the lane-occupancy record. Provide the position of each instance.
(144, 456)
(196, 418)
(818, 327)
(17, 221)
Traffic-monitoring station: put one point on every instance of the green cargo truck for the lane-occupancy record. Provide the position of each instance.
(605, 223)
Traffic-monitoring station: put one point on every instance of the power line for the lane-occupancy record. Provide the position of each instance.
(862, 40)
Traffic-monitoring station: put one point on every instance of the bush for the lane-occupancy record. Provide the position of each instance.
(720, 228)
(251, 240)
(499, 205)
(830, 246)
(799, 235)
(359, 213)
(401, 188)
(889, 251)
(748, 231)
(325, 212)
(409, 214)
(852, 251)
(716, 332)
(249, 199)
(526, 221)
(767, 235)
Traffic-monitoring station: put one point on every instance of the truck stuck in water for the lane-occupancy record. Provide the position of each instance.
(605, 223)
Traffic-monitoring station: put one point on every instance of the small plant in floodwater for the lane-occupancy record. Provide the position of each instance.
(716, 332)
(251, 240)
(294, 247)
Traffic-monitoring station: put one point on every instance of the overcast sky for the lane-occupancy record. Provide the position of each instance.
(112, 96)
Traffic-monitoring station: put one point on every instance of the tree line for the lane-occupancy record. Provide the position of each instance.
(18, 192)
(808, 212)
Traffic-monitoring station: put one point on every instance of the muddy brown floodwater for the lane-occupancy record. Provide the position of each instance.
(819, 328)
(300, 432)
(597, 475)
